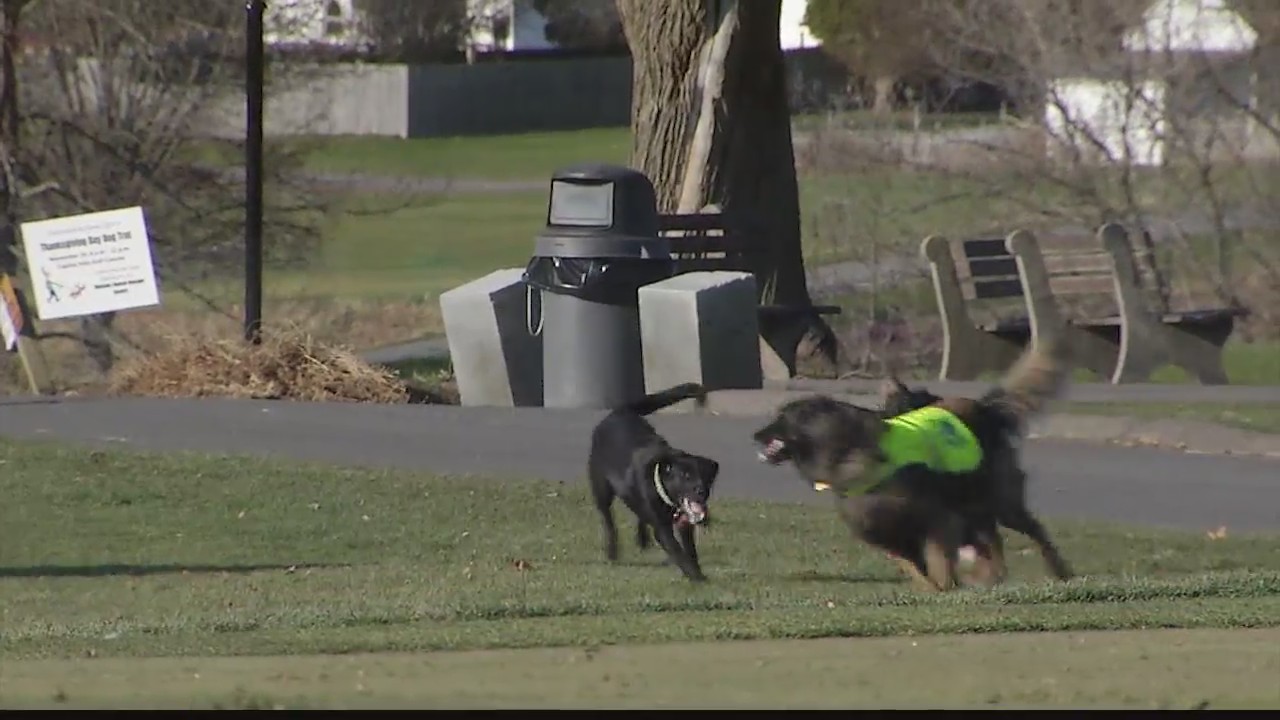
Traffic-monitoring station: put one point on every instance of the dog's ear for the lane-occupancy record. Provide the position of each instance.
(890, 387)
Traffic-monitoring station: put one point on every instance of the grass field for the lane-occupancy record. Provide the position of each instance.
(1173, 669)
(526, 156)
(114, 554)
(1258, 418)
(413, 247)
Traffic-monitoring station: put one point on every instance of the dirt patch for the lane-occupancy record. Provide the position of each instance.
(285, 366)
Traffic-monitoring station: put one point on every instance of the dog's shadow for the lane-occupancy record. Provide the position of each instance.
(826, 577)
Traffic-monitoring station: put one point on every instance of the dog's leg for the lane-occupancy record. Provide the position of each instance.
(941, 547)
(1021, 520)
(941, 563)
(1013, 514)
(643, 540)
(916, 573)
(604, 503)
(990, 549)
(687, 541)
(667, 539)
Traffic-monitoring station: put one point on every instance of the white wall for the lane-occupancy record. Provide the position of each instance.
(1191, 26)
(792, 32)
(1127, 121)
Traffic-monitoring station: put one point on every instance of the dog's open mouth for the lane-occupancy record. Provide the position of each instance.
(772, 451)
(693, 512)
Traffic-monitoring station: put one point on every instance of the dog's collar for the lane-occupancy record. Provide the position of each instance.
(657, 485)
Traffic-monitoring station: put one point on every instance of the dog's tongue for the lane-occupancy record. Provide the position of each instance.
(694, 511)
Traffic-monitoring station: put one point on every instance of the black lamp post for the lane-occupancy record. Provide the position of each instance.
(254, 62)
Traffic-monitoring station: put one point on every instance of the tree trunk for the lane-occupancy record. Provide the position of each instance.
(711, 125)
(883, 103)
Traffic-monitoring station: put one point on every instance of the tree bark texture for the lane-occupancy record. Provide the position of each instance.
(711, 125)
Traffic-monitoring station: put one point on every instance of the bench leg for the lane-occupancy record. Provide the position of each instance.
(966, 354)
(1198, 350)
(1142, 350)
(1093, 351)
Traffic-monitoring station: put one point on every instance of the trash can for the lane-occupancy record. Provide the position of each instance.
(599, 248)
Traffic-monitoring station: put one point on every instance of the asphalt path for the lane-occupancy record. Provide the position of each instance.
(1069, 480)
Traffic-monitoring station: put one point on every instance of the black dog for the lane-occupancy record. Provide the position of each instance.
(920, 485)
(666, 488)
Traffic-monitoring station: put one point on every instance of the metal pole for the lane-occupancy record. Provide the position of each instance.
(254, 62)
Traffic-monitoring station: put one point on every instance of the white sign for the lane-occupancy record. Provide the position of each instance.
(93, 263)
(10, 317)
(8, 333)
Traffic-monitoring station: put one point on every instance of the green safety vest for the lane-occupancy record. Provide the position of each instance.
(929, 436)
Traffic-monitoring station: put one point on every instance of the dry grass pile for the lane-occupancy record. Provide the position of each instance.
(286, 366)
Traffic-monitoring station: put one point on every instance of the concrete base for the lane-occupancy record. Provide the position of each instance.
(495, 359)
(701, 327)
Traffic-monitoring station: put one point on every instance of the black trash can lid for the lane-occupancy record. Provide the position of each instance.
(601, 211)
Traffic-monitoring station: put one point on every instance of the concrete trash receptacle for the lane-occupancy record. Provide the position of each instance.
(495, 360)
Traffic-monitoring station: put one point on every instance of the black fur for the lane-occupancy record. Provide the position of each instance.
(626, 452)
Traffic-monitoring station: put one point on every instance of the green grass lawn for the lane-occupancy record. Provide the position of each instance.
(419, 246)
(110, 557)
(1258, 418)
(114, 553)
(527, 156)
(415, 247)
(1153, 669)
(535, 155)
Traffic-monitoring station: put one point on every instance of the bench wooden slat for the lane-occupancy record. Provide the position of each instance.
(1203, 316)
(1099, 263)
(699, 244)
(996, 289)
(1067, 243)
(984, 248)
(993, 267)
(1100, 285)
(702, 222)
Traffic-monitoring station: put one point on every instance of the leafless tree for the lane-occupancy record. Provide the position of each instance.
(114, 98)
(1184, 144)
(414, 31)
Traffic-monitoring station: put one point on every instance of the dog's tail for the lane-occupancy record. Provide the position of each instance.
(1039, 376)
(656, 401)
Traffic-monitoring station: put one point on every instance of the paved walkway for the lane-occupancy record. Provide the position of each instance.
(1138, 485)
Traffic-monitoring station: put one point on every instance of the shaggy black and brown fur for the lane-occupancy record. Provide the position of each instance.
(667, 488)
(1008, 485)
(919, 516)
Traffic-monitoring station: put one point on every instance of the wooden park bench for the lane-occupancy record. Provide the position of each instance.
(699, 241)
(1104, 296)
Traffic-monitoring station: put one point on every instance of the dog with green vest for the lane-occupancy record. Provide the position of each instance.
(921, 484)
